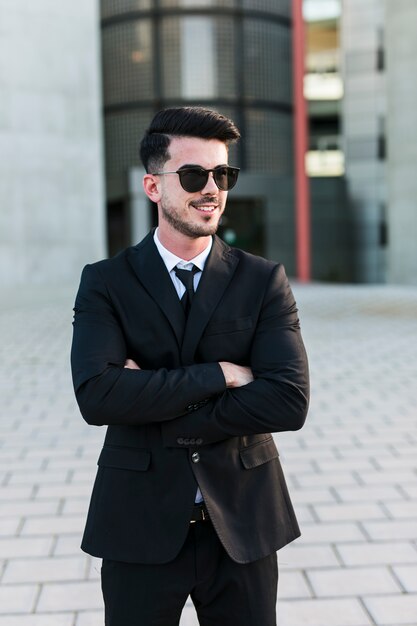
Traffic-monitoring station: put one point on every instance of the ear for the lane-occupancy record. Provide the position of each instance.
(151, 187)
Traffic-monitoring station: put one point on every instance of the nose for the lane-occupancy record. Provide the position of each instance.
(210, 187)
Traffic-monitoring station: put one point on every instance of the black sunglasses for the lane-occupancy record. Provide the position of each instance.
(194, 179)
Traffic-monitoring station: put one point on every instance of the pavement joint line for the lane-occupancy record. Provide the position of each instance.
(20, 527)
(51, 551)
(374, 462)
(397, 579)
(37, 598)
(367, 611)
(312, 510)
(337, 555)
(308, 583)
(35, 491)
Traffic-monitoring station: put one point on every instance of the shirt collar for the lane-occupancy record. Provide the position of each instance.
(172, 260)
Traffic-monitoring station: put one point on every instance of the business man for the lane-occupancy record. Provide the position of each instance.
(190, 351)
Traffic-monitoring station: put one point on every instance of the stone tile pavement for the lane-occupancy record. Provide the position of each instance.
(352, 470)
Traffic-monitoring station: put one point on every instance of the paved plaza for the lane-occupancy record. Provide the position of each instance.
(352, 470)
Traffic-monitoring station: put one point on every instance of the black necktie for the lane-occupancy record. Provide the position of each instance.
(187, 279)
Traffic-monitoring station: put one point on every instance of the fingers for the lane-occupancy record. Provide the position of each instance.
(236, 375)
(131, 365)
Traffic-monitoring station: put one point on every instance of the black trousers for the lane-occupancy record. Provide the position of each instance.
(224, 593)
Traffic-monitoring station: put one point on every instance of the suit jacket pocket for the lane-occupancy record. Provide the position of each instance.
(259, 453)
(228, 326)
(135, 459)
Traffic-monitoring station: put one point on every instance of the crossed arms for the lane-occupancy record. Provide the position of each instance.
(226, 399)
(234, 375)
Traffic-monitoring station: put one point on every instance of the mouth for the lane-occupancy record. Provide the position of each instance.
(207, 207)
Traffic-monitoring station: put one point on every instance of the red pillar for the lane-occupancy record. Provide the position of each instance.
(302, 194)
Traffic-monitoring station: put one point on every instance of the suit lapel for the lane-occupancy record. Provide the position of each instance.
(218, 271)
(152, 273)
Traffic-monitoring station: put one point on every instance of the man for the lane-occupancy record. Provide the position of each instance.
(191, 353)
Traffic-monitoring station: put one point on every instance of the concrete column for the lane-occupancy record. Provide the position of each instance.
(52, 218)
(401, 49)
(139, 206)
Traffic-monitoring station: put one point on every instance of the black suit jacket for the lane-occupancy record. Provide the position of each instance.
(177, 405)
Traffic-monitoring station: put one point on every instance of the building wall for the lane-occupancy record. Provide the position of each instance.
(363, 127)
(401, 44)
(51, 182)
(333, 231)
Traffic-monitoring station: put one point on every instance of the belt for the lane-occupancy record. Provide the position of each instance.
(199, 514)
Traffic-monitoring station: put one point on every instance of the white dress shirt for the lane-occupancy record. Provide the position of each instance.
(171, 262)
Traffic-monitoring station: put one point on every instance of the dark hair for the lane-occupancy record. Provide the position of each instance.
(183, 122)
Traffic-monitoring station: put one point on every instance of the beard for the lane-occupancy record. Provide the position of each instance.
(187, 227)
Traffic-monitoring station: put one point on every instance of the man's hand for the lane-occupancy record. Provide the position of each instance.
(236, 375)
(131, 365)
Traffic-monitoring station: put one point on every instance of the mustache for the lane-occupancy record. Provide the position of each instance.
(205, 200)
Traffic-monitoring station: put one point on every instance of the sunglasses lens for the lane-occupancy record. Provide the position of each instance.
(221, 178)
(226, 177)
(193, 179)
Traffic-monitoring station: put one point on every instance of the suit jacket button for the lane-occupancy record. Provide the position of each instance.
(199, 441)
(180, 440)
(192, 442)
(195, 457)
(186, 442)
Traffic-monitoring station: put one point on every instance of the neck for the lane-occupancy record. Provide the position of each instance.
(185, 247)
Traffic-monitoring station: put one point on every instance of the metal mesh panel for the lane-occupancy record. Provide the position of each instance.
(209, 70)
(108, 8)
(267, 60)
(123, 132)
(127, 62)
(269, 141)
(198, 3)
(278, 7)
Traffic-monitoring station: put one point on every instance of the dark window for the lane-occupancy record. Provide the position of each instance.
(383, 227)
(118, 226)
(243, 224)
(380, 52)
(382, 142)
